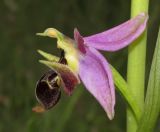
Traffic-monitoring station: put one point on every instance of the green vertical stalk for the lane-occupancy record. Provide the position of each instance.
(136, 65)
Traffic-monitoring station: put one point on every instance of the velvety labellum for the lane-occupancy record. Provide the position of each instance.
(48, 90)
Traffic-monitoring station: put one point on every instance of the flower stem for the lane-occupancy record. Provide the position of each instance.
(122, 87)
(136, 65)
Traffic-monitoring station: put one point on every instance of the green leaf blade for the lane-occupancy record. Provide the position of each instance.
(152, 102)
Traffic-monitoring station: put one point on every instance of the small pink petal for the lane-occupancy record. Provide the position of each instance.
(97, 77)
(79, 40)
(120, 36)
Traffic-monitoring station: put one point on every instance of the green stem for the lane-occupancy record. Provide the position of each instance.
(122, 87)
(136, 65)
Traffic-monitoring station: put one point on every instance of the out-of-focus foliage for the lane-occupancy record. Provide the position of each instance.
(19, 67)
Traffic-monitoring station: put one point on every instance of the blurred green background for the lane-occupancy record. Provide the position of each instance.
(20, 70)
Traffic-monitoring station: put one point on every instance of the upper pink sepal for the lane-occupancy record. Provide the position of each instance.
(120, 36)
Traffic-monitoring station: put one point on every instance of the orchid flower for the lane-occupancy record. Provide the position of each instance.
(81, 60)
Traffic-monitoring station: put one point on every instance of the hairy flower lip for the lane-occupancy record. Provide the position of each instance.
(48, 92)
